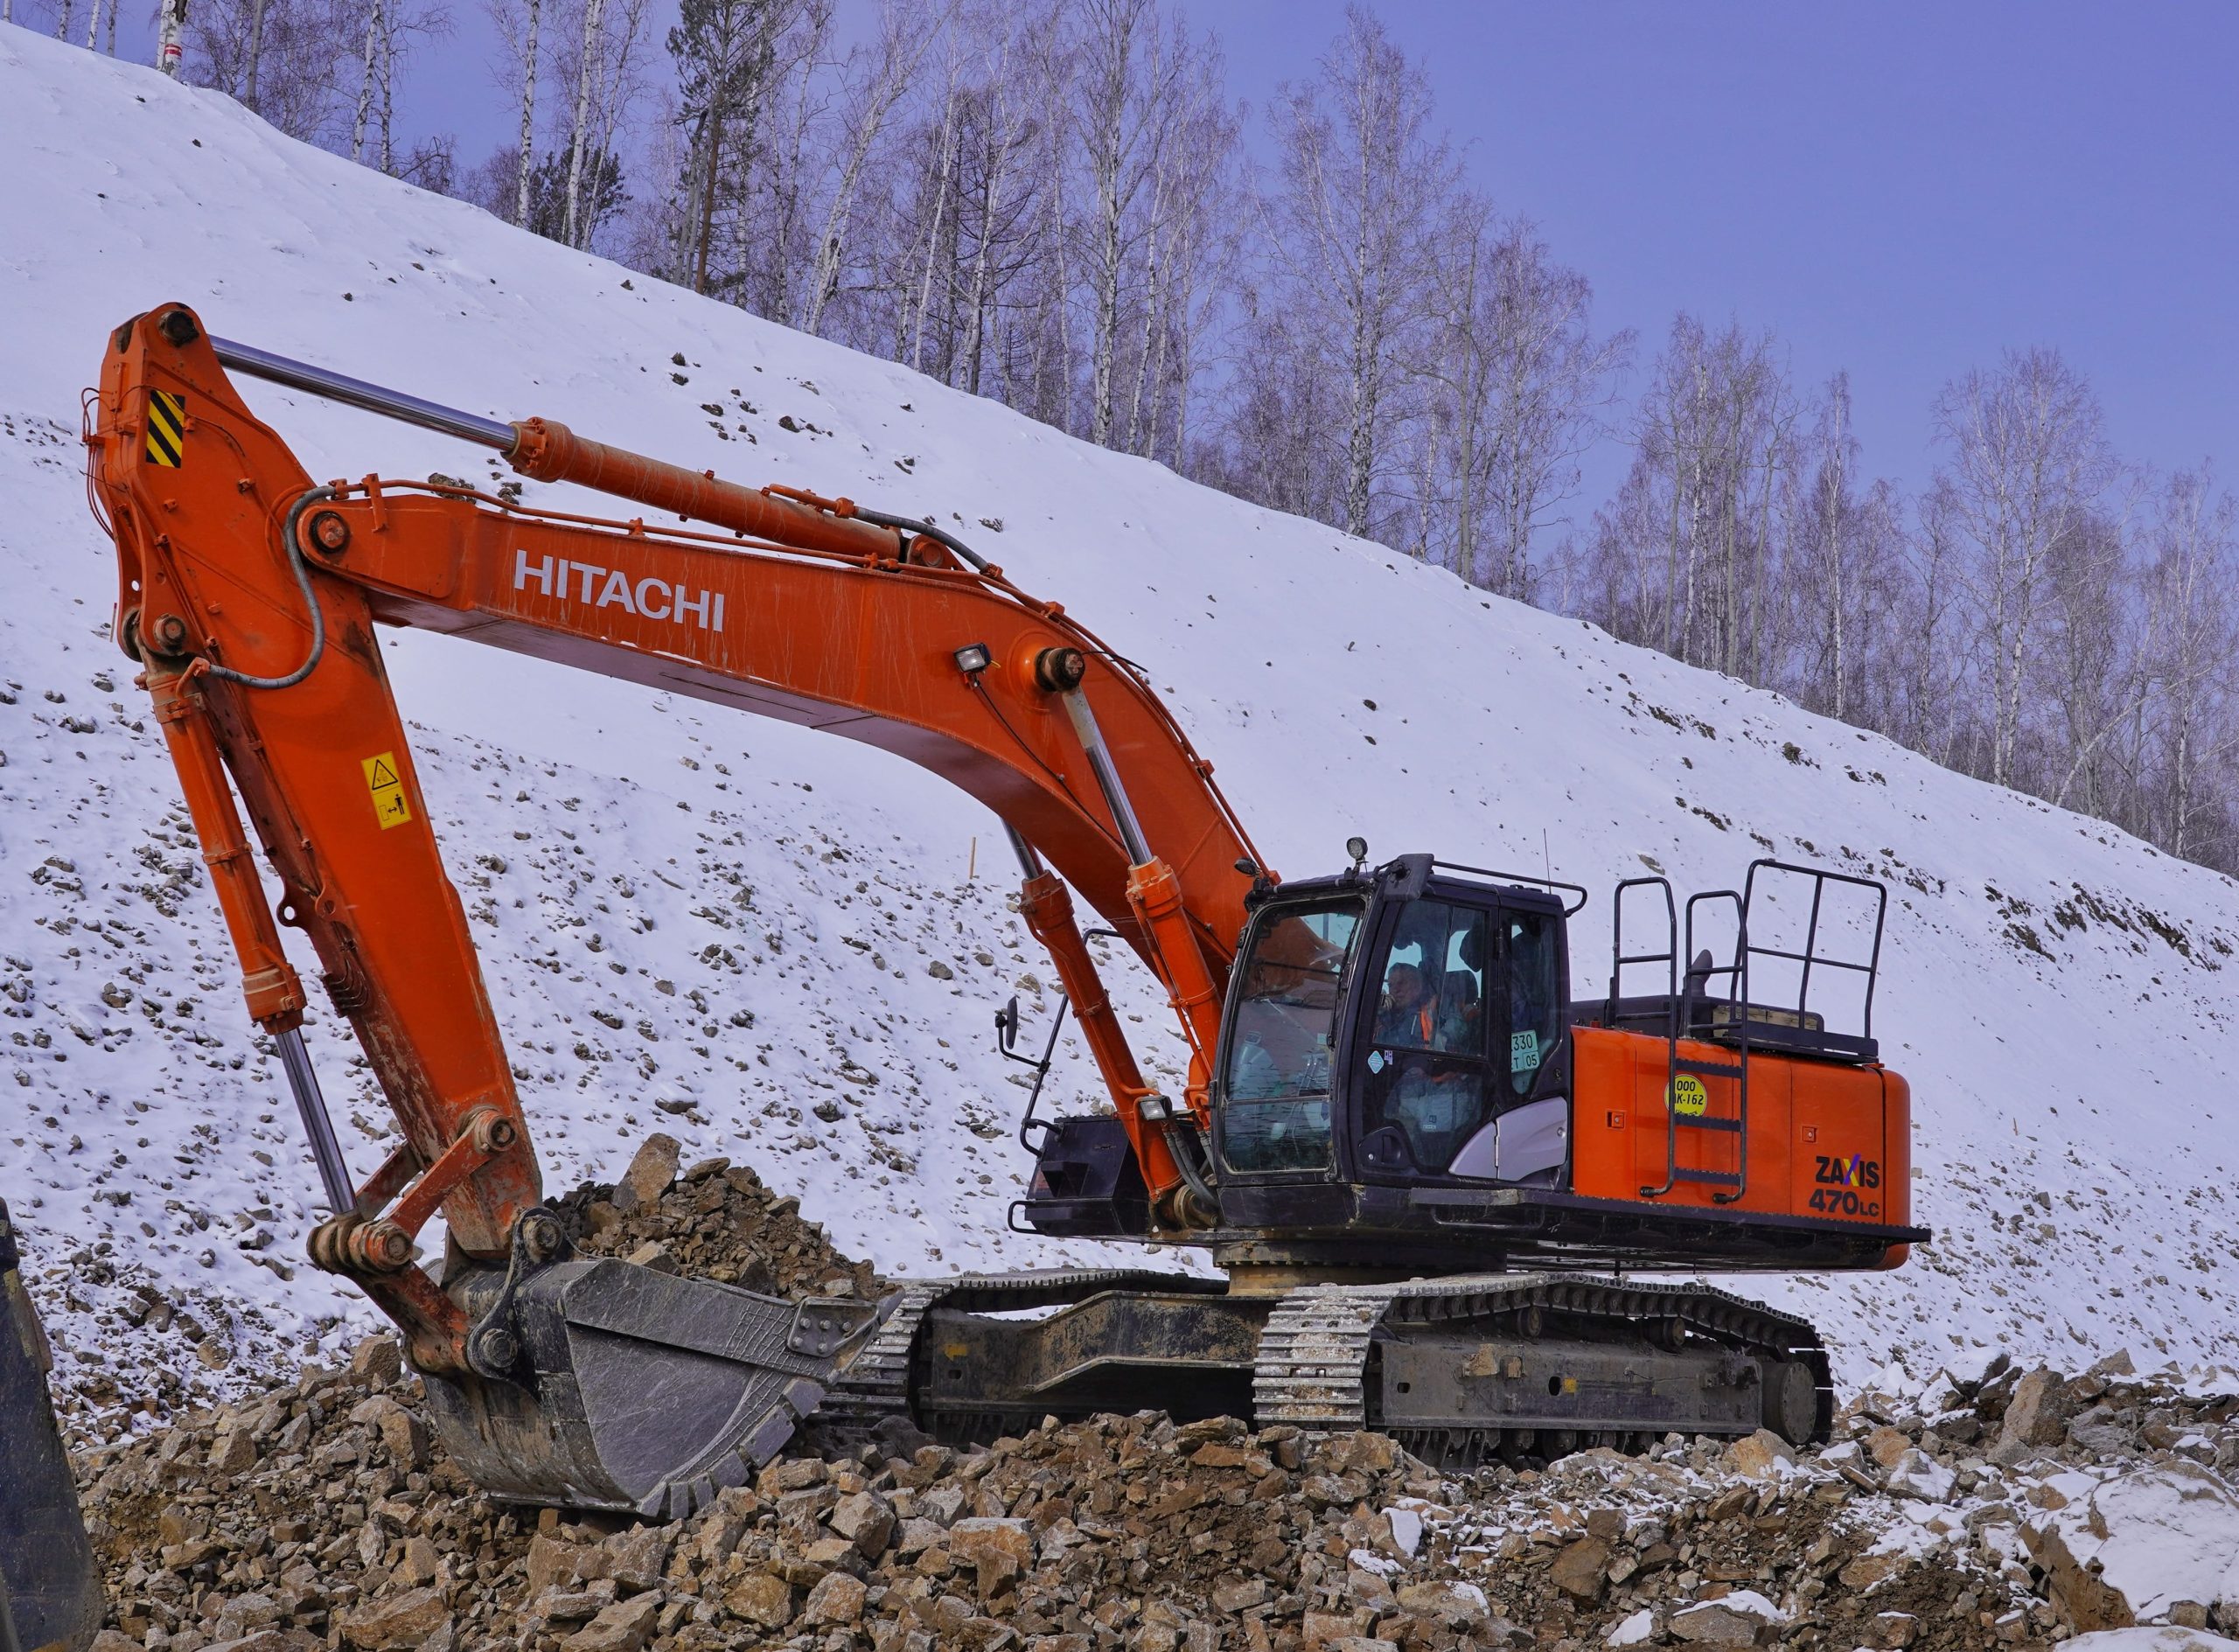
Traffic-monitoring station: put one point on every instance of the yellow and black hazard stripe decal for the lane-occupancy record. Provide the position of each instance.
(166, 427)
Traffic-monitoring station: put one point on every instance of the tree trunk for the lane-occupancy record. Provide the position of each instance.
(712, 142)
(995, 176)
(366, 82)
(942, 182)
(528, 115)
(255, 50)
(388, 102)
(170, 21)
(579, 129)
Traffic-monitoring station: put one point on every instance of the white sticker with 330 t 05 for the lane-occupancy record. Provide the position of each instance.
(1523, 1052)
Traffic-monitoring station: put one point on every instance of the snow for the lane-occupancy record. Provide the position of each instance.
(1406, 1526)
(2055, 991)
(2163, 1638)
(2159, 1535)
(1745, 1603)
(1637, 1630)
(1920, 1474)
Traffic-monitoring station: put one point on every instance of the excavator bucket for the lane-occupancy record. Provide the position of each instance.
(611, 1385)
(50, 1588)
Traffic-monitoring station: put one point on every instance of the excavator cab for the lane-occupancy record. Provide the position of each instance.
(1388, 1026)
(1406, 1081)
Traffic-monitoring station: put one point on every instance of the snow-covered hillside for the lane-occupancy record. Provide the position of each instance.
(724, 927)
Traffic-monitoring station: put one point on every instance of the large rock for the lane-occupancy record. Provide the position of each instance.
(399, 1622)
(1868, 1571)
(761, 1598)
(1000, 1549)
(1918, 1474)
(624, 1627)
(1453, 1604)
(378, 1361)
(2149, 1538)
(1733, 1619)
(865, 1520)
(837, 1599)
(1892, 1630)
(638, 1558)
(1328, 1628)
(406, 1436)
(1887, 1445)
(550, 1563)
(2037, 1414)
(1711, 1624)
(1580, 1569)
(1760, 1456)
(420, 1563)
(652, 1171)
(1233, 1595)
(233, 1452)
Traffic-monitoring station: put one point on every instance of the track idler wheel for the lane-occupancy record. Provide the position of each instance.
(1791, 1400)
(600, 1385)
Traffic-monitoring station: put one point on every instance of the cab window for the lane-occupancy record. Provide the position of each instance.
(1275, 1111)
(1427, 1067)
(1534, 972)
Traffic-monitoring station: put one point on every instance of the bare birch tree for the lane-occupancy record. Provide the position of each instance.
(283, 59)
(2191, 607)
(885, 74)
(1360, 177)
(1521, 387)
(2026, 462)
(527, 146)
(589, 70)
(369, 68)
(1686, 557)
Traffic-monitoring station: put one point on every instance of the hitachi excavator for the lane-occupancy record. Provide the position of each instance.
(1429, 1171)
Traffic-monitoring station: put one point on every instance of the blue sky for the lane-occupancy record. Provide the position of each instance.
(1903, 190)
(1900, 189)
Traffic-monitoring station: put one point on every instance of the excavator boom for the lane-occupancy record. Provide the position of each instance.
(249, 594)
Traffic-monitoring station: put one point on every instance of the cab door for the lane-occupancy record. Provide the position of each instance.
(1462, 1068)
(1423, 1072)
(1527, 1136)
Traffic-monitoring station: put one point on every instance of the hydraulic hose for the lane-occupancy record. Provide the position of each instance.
(1185, 1160)
(939, 535)
(311, 601)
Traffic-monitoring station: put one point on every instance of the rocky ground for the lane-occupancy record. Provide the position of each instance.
(2008, 1510)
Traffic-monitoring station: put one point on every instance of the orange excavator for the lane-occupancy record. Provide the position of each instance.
(1429, 1172)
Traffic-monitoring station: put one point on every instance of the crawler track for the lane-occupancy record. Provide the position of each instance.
(1517, 1368)
(1525, 1368)
(877, 1385)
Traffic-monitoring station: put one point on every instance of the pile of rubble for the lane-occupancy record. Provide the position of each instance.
(717, 1221)
(1987, 1513)
(321, 1516)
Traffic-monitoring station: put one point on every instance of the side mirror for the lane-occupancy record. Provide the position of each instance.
(1006, 1025)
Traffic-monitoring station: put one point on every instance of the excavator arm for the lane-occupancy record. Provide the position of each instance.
(249, 594)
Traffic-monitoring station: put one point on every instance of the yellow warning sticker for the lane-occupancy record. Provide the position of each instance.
(391, 807)
(1690, 1097)
(166, 429)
